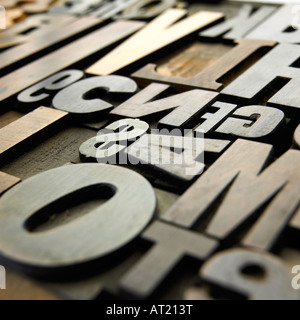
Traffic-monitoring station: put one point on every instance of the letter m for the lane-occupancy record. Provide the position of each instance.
(243, 185)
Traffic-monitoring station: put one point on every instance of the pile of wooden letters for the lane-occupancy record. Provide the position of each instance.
(96, 95)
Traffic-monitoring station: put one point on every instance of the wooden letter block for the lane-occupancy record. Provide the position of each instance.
(246, 274)
(57, 82)
(102, 230)
(10, 41)
(46, 40)
(111, 140)
(171, 246)
(26, 127)
(278, 63)
(76, 7)
(65, 57)
(12, 3)
(110, 9)
(73, 98)
(213, 119)
(146, 9)
(186, 105)
(33, 26)
(37, 7)
(7, 181)
(209, 77)
(263, 121)
(295, 222)
(172, 153)
(241, 168)
(297, 137)
(12, 16)
(156, 35)
(241, 25)
(278, 27)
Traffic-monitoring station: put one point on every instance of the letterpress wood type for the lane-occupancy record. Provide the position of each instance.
(157, 34)
(279, 63)
(56, 82)
(278, 27)
(11, 3)
(76, 7)
(241, 25)
(9, 117)
(152, 159)
(295, 222)
(37, 7)
(72, 99)
(28, 126)
(182, 157)
(9, 41)
(111, 9)
(171, 245)
(109, 141)
(45, 41)
(183, 106)
(33, 26)
(65, 57)
(262, 122)
(13, 16)
(231, 270)
(247, 187)
(208, 78)
(146, 9)
(7, 181)
(67, 187)
(297, 137)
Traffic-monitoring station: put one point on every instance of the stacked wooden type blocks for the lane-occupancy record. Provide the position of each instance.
(149, 150)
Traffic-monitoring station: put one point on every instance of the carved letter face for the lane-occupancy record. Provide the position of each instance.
(2, 278)
(2, 18)
(279, 63)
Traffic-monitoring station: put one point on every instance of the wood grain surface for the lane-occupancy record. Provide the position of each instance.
(44, 246)
(265, 72)
(146, 9)
(240, 25)
(65, 57)
(164, 256)
(183, 106)
(144, 231)
(20, 287)
(243, 162)
(7, 181)
(156, 35)
(275, 26)
(207, 78)
(73, 98)
(27, 126)
(46, 40)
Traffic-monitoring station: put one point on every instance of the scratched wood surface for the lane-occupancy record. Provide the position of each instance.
(45, 41)
(65, 57)
(198, 60)
(18, 131)
(147, 41)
